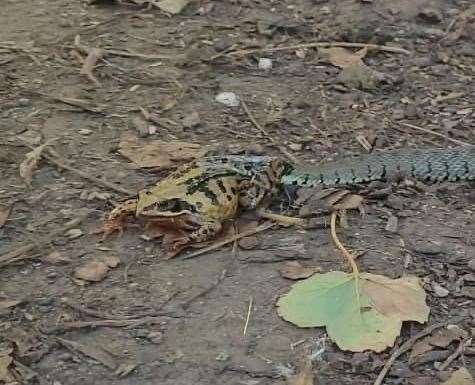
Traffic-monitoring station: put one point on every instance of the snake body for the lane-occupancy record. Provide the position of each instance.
(427, 165)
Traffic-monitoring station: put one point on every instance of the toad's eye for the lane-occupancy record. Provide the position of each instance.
(169, 205)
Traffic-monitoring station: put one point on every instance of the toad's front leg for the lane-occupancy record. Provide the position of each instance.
(116, 220)
(203, 231)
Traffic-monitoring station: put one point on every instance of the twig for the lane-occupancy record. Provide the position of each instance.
(217, 245)
(86, 50)
(204, 292)
(426, 130)
(404, 348)
(56, 159)
(104, 322)
(455, 354)
(98, 314)
(322, 44)
(248, 316)
(79, 103)
(17, 254)
(266, 134)
(90, 63)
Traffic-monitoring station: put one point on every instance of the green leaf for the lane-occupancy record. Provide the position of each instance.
(360, 312)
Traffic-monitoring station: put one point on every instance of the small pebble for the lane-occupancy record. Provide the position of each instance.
(85, 131)
(439, 291)
(431, 15)
(65, 356)
(392, 224)
(229, 99)
(152, 129)
(248, 243)
(74, 233)
(191, 120)
(427, 248)
(265, 64)
(24, 102)
(395, 202)
(45, 301)
(141, 333)
(155, 337)
(52, 275)
(295, 146)
(255, 149)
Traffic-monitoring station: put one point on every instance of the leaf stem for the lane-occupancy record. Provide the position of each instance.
(340, 246)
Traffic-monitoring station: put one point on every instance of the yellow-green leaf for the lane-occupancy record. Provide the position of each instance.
(360, 313)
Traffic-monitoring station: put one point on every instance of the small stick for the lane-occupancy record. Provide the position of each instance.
(95, 313)
(90, 62)
(426, 130)
(217, 245)
(455, 354)
(270, 138)
(111, 317)
(248, 316)
(56, 159)
(79, 103)
(322, 44)
(404, 348)
(62, 327)
(204, 292)
(17, 253)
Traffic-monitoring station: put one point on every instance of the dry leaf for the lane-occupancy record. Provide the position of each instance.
(56, 258)
(28, 343)
(172, 6)
(7, 303)
(29, 165)
(439, 339)
(91, 351)
(94, 271)
(5, 362)
(460, 377)
(304, 377)
(295, 270)
(329, 200)
(4, 214)
(343, 58)
(158, 154)
(124, 369)
(111, 261)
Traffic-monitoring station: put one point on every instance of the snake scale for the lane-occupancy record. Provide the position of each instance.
(428, 165)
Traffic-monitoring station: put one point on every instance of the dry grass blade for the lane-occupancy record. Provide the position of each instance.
(89, 64)
(4, 214)
(427, 131)
(248, 317)
(91, 351)
(29, 165)
(322, 44)
(266, 134)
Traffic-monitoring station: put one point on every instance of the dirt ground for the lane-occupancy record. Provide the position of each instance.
(156, 321)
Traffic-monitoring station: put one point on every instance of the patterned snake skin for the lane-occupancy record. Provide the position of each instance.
(428, 165)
